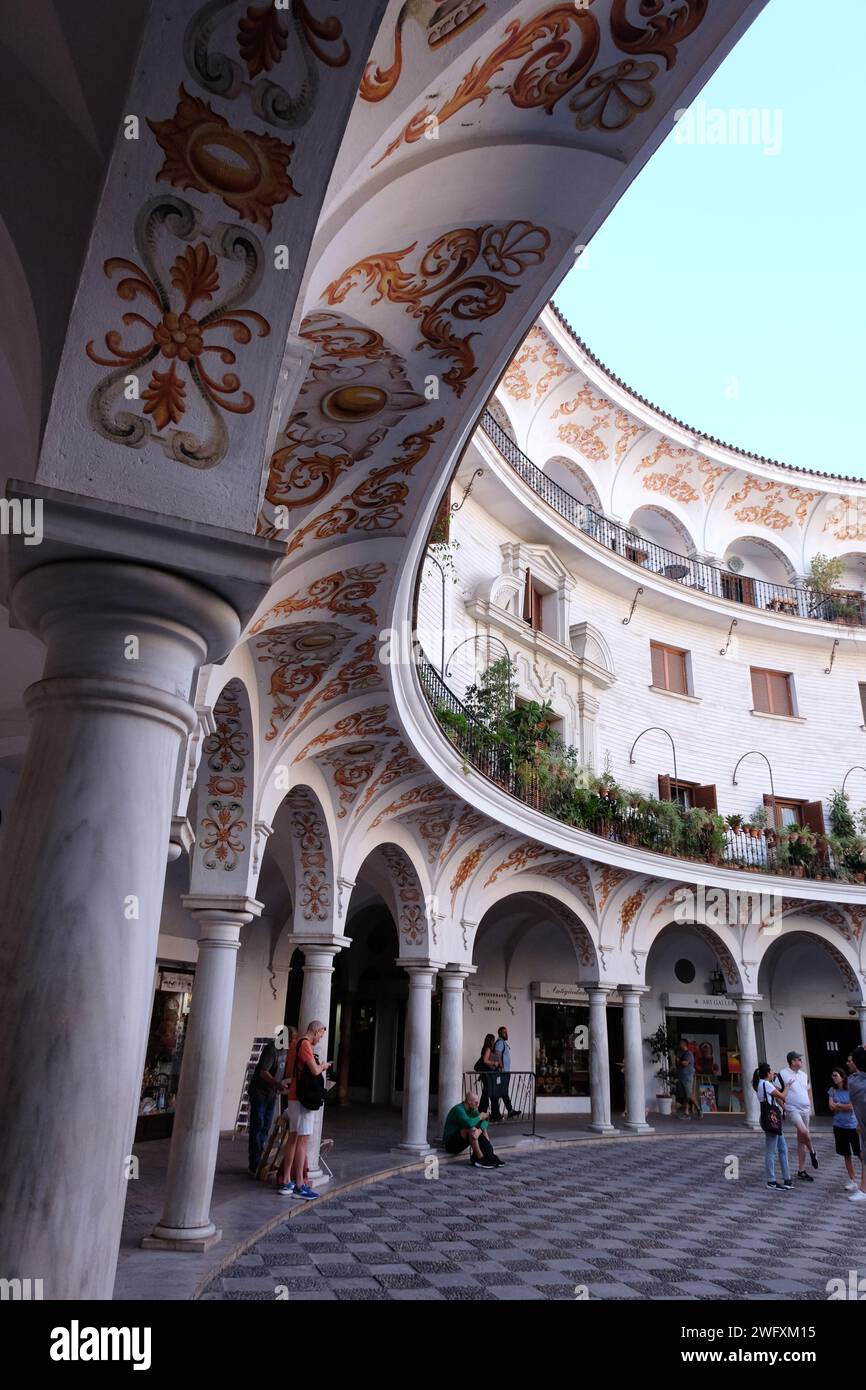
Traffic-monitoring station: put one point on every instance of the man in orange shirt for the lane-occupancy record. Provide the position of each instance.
(291, 1179)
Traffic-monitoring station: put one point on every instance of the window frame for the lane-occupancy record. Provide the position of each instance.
(788, 677)
(667, 651)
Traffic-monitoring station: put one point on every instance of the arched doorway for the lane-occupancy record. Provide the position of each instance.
(807, 984)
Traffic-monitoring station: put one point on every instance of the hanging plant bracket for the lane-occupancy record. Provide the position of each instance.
(828, 669)
(723, 651)
(626, 621)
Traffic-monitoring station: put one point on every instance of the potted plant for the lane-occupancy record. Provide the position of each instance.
(841, 818)
(660, 1051)
(734, 822)
(825, 572)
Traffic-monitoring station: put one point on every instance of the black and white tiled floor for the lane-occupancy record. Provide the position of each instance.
(626, 1220)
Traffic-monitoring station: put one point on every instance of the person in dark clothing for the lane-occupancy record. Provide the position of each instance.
(262, 1095)
(466, 1128)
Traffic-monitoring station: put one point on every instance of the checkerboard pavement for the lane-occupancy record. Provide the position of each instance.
(654, 1219)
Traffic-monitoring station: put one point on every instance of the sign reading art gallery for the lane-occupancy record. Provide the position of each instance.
(701, 1003)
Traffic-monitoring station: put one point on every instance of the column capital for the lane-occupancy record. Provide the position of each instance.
(633, 991)
(418, 965)
(327, 944)
(743, 1001)
(601, 989)
(453, 974)
(215, 906)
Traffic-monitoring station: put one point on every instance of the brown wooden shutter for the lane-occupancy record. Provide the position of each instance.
(664, 787)
(527, 597)
(536, 610)
(760, 691)
(678, 678)
(813, 816)
(658, 665)
(706, 797)
(780, 693)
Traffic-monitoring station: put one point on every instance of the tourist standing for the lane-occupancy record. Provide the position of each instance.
(502, 1052)
(686, 1079)
(857, 1092)
(486, 1068)
(770, 1097)
(798, 1108)
(301, 1067)
(844, 1125)
(261, 1095)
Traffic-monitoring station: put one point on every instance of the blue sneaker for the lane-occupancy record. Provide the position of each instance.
(285, 1189)
(305, 1193)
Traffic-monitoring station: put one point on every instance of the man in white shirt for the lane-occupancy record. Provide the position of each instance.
(798, 1107)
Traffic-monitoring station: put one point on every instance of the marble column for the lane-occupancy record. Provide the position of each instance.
(635, 1079)
(319, 953)
(416, 1076)
(748, 1055)
(599, 1066)
(185, 1223)
(81, 884)
(451, 1037)
(861, 1015)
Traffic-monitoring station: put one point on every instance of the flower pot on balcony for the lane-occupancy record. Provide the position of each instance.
(664, 1104)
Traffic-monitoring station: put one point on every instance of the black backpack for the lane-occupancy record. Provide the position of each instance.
(309, 1089)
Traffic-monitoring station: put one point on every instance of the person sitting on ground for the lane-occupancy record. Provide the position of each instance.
(466, 1128)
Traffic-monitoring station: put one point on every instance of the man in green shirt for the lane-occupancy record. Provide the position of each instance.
(466, 1128)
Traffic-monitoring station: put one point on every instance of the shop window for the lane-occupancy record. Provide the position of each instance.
(171, 1005)
(561, 1050)
(688, 794)
(772, 691)
(714, 1043)
(786, 811)
(670, 668)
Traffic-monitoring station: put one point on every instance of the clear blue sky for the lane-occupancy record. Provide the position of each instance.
(728, 285)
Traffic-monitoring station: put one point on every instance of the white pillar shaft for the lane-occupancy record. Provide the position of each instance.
(599, 1066)
(81, 886)
(416, 1077)
(451, 1044)
(316, 1005)
(635, 1083)
(185, 1219)
(749, 1056)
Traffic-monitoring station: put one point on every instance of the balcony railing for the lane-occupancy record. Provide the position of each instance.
(754, 849)
(793, 600)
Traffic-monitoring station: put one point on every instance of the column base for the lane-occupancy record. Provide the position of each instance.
(317, 1177)
(603, 1128)
(753, 1125)
(194, 1241)
(639, 1127)
(417, 1150)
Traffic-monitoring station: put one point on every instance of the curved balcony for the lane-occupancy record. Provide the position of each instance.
(788, 600)
(634, 820)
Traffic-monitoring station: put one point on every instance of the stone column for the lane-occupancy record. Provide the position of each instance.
(185, 1223)
(599, 1067)
(81, 886)
(748, 1055)
(319, 953)
(587, 715)
(345, 1044)
(451, 1040)
(635, 1081)
(416, 1077)
(861, 1015)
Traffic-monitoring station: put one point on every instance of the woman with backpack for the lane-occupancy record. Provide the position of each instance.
(771, 1123)
(305, 1075)
(486, 1069)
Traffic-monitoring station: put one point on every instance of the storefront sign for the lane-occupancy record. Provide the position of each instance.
(175, 984)
(703, 1003)
(556, 993)
(490, 1001)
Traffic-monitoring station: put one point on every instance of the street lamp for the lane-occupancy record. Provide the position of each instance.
(655, 729)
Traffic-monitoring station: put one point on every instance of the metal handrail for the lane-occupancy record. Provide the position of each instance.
(698, 575)
(751, 849)
(521, 1093)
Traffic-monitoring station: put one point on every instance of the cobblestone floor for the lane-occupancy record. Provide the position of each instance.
(618, 1220)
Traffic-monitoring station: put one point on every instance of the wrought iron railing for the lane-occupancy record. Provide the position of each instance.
(697, 575)
(670, 833)
(507, 1096)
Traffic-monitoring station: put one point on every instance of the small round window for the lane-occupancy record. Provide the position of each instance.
(684, 971)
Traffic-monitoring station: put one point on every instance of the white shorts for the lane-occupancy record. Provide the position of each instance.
(300, 1119)
(800, 1118)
